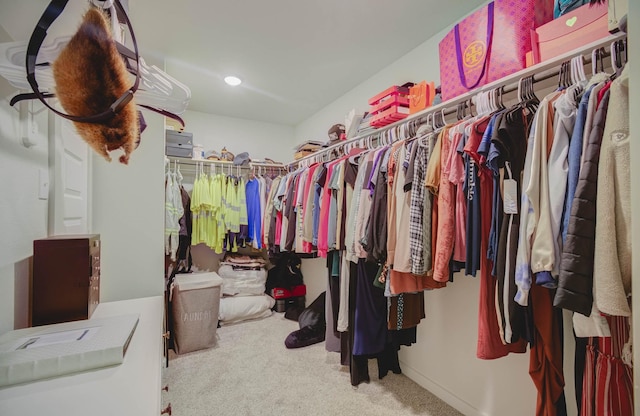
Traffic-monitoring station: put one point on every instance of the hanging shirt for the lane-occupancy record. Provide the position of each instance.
(575, 284)
(402, 260)
(173, 212)
(400, 279)
(446, 213)
(576, 144)
(573, 158)
(392, 213)
(592, 108)
(263, 190)
(472, 192)
(254, 211)
(510, 136)
(612, 261)
(300, 197)
(308, 207)
(377, 229)
(523, 276)
(286, 210)
(420, 197)
(490, 343)
(317, 201)
(289, 232)
(278, 204)
(350, 230)
(364, 206)
(490, 155)
(542, 247)
(456, 171)
(217, 227)
(323, 218)
(268, 212)
(340, 189)
(333, 205)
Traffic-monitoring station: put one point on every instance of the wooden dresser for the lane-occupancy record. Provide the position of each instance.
(66, 278)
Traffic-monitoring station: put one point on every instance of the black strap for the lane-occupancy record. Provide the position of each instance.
(52, 12)
(164, 113)
(28, 96)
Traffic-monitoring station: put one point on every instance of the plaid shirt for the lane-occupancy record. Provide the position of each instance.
(419, 208)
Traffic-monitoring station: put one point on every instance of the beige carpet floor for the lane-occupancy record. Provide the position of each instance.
(251, 373)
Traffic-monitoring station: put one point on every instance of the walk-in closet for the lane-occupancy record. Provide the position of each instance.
(322, 207)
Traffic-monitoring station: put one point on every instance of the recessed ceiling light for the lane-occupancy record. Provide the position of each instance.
(233, 81)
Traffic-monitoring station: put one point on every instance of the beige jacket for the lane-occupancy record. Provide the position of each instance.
(612, 262)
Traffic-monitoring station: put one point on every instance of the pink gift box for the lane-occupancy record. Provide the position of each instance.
(582, 26)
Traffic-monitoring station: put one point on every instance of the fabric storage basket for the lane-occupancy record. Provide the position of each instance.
(489, 44)
(195, 306)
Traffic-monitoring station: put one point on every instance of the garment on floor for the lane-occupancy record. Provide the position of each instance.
(312, 325)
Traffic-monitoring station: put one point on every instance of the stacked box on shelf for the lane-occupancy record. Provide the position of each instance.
(389, 106)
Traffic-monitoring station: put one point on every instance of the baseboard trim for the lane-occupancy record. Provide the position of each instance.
(449, 397)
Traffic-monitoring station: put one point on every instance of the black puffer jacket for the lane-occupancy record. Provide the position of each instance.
(575, 284)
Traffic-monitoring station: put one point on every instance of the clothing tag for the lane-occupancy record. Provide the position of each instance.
(510, 197)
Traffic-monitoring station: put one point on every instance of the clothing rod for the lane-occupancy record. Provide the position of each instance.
(224, 163)
(541, 72)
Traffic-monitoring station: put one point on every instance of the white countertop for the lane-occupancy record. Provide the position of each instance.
(132, 388)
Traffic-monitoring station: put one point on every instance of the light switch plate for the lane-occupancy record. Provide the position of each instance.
(43, 184)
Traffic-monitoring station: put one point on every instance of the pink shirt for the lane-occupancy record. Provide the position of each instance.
(323, 226)
(446, 215)
(456, 177)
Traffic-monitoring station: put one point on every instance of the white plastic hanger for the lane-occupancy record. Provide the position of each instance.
(478, 104)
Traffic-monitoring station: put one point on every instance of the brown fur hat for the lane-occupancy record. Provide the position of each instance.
(90, 76)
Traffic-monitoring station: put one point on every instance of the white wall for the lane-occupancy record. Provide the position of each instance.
(444, 359)
(314, 273)
(128, 213)
(23, 217)
(261, 140)
(418, 65)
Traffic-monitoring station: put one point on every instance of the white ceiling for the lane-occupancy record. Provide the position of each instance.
(294, 56)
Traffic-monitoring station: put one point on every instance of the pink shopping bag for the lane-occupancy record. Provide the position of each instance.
(489, 44)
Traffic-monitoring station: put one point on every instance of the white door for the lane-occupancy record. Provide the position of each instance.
(69, 174)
